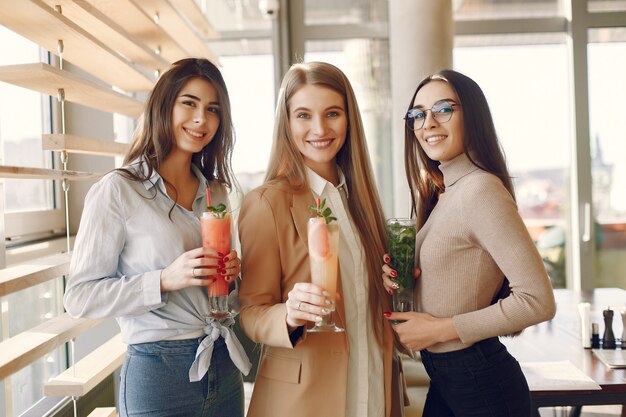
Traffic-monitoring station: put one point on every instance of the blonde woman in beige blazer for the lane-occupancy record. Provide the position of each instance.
(319, 151)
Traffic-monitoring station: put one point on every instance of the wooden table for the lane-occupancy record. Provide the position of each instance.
(559, 339)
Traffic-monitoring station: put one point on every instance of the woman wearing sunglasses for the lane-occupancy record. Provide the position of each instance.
(481, 275)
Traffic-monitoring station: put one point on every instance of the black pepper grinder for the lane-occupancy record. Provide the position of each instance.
(608, 340)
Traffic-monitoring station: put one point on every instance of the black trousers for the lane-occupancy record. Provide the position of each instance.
(483, 380)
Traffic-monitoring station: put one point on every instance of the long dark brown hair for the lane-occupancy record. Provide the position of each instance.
(154, 138)
(480, 144)
(287, 163)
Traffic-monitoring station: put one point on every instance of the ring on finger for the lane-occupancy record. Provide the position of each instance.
(298, 306)
(193, 272)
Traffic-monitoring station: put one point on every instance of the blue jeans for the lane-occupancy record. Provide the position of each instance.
(483, 380)
(155, 382)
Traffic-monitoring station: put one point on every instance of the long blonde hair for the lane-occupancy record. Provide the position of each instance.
(286, 163)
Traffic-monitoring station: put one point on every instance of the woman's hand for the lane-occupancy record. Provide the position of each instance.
(230, 266)
(390, 274)
(421, 330)
(306, 302)
(196, 267)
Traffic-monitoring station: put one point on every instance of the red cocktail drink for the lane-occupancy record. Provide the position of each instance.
(216, 235)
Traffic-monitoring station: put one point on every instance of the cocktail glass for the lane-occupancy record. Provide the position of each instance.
(323, 257)
(216, 235)
(401, 241)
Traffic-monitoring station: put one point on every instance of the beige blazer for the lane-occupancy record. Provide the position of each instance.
(306, 376)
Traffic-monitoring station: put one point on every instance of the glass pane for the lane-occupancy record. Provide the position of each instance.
(500, 9)
(607, 87)
(606, 5)
(521, 39)
(366, 64)
(27, 384)
(22, 311)
(607, 35)
(252, 99)
(235, 15)
(21, 126)
(530, 107)
(330, 12)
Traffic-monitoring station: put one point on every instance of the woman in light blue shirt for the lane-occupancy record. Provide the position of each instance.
(138, 255)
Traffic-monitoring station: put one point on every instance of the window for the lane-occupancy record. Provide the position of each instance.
(530, 107)
(333, 12)
(366, 64)
(505, 9)
(607, 87)
(252, 103)
(24, 116)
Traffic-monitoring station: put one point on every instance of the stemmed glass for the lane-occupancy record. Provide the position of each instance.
(323, 242)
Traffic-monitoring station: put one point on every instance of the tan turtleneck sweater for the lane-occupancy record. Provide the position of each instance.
(472, 239)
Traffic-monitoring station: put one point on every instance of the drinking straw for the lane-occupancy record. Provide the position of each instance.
(207, 191)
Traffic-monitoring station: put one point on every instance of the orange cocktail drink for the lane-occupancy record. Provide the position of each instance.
(323, 240)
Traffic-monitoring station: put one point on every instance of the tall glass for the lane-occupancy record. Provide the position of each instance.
(401, 241)
(323, 257)
(216, 235)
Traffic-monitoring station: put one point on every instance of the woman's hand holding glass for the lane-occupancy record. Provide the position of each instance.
(306, 302)
(415, 330)
(197, 268)
(389, 274)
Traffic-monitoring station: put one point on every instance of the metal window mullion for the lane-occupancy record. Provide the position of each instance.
(581, 247)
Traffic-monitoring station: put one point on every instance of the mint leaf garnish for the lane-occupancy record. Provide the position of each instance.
(320, 210)
(218, 211)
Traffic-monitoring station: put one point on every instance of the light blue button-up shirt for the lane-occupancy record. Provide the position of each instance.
(124, 241)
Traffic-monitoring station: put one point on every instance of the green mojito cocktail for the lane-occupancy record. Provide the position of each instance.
(401, 241)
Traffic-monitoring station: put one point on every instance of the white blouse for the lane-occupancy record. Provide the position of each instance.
(366, 385)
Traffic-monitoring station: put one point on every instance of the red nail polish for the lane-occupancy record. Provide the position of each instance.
(386, 314)
(220, 254)
(387, 259)
(393, 273)
(390, 292)
(220, 264)
(225, 259)
(221, 271)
